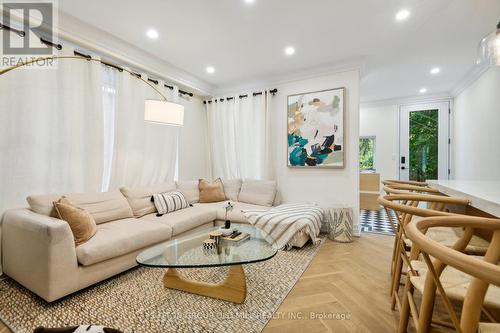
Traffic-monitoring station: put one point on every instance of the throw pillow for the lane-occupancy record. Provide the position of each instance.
(258, 192)
(82, 224)
(169, 202)
(211, 192)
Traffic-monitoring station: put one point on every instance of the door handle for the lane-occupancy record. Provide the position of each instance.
(403, 168)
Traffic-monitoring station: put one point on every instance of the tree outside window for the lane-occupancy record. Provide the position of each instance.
(424, 145)
(367, 153)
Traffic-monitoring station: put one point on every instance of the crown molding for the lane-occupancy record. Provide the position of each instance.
(407, 100)
(475, 73)
(467, 80)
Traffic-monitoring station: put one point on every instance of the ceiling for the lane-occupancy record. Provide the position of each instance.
(245, 42)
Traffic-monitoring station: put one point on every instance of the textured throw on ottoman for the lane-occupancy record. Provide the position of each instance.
(284, 222)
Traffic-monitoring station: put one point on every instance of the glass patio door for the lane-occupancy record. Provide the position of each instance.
(424, 141)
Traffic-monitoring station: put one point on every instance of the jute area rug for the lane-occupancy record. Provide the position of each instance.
(136, 300)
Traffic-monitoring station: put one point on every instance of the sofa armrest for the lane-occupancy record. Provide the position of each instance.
(39, 252)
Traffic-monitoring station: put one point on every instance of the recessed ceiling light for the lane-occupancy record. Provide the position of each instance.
(435, 70)
(423, 90)
(210, 70)
(402, 15)
(289, 50)
(152, 33)
(249, 1)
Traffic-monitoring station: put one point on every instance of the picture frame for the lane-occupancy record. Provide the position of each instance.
(316, 129)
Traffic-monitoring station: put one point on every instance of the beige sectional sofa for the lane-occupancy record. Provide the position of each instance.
(38, 250)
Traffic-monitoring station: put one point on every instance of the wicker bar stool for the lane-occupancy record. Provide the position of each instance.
(453, 274)
(407, 209)
(400, 188)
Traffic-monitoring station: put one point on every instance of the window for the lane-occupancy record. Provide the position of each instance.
(367, 153)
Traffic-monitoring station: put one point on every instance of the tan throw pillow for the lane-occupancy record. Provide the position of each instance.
(211, 192)
(82, 224)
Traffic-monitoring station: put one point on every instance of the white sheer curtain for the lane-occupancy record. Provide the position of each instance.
(51, 128)
(109, 84)
(239, 137)
(143, 153)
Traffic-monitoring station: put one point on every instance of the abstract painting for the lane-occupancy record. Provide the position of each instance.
(316, 129)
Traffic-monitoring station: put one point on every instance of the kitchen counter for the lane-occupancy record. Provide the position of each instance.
(484, 195)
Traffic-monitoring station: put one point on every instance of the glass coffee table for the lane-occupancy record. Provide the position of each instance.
(188, 252)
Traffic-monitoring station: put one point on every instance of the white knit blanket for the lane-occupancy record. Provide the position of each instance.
(284, 222)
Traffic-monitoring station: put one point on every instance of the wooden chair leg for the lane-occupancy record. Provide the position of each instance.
(405, 306)
(396, 279)
(427, 306)
(395, 251)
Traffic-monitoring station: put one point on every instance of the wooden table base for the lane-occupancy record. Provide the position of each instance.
(232, 289)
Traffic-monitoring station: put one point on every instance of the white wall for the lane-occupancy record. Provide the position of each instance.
(382, 122)
(476, 130)
(324, 186)
(193, 143)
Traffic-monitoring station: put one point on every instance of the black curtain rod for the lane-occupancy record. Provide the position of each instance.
(172, 88)
(272, 91)
(112, 65)
(47, 42)
(88, 57)
(185, 93)
(19, 32)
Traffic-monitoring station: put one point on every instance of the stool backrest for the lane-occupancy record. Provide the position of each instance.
(404, 182)
(484, 271)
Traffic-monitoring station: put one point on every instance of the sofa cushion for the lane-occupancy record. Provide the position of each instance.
(139, 198)
(258, 192)
(232, 188)
(103, 206)
(43, 204)
(190, 190)
(185, 219)
(211, 192)
(114, 239)
(82, 224)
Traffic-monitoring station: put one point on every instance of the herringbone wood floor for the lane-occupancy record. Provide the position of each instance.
(350, 279)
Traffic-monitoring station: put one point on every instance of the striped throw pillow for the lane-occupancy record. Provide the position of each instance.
(169, 202)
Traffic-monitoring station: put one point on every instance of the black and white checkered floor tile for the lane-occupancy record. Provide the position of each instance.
(376, 221)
